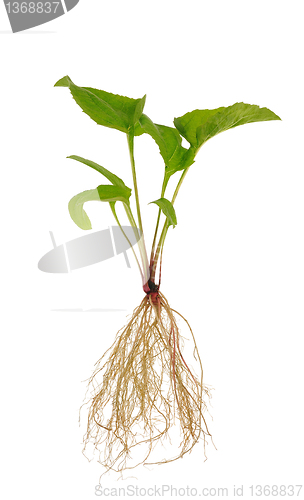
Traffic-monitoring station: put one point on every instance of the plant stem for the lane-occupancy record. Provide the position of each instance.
(158, 251)
(179, 184)
(131, 151)
(165, 182)
(138, 237)
(166, 227)
(131, 246)
(141, 241)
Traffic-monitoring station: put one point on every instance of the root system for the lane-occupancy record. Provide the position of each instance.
(143, 392)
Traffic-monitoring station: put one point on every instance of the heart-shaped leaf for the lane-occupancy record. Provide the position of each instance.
(200, 125)
(168, 209)
(110, 194)
(116, 181)
(109, 110)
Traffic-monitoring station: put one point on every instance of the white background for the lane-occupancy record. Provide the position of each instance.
(233, 265)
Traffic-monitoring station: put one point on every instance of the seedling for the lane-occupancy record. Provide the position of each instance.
(142, 388)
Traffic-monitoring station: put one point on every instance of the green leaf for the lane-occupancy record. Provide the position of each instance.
(188, 124)
(114, 193)
(110, 194)
(185, 161)
(200, 125)
(76, 210)
(168, 209)
(175, 156)
(167, 139)
(109, 110)
(116, 181)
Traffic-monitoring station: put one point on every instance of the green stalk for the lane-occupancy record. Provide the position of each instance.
(179, 184)
(166, 227)
(112, 205)
(159, 250)
(165, 182)
(141, 242)
(131, 151)
(135, 229)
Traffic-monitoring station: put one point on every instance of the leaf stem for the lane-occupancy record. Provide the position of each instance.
(165, 182)
(179, 184)
(131, 246)
(141, 241)
(145, 273)
(163, 235)
(131, 151)
(159, 250)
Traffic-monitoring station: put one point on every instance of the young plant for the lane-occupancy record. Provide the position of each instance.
(142, 388)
